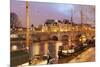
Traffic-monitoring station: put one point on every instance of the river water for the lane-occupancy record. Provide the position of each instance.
(44, 47)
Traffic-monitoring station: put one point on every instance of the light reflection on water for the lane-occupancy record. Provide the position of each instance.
(41, 48)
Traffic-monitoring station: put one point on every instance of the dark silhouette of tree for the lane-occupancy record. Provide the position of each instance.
(14, 20)
(49, 21)
(66, 21)
(32, 25)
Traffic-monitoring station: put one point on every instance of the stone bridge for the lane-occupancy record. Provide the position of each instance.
(57, 35)
(69, 35)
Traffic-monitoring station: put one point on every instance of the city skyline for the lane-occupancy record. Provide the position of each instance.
(39, 12)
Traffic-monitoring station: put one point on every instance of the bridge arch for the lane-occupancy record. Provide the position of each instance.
(55, 38)
(65, 37)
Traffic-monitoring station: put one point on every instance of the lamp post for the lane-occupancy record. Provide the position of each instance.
(27, 25)
(28, 32)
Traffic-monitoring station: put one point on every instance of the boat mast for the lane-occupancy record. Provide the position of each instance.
(71, 19)
(81, 13)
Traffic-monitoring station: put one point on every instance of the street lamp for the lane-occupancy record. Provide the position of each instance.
(27, 24)
(83, 38)
(14, 48)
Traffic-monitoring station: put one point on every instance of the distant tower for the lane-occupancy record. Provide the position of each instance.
(27, 24)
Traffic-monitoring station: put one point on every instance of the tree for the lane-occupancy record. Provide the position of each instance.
(49, 21)
(14, 20)
(66, 21)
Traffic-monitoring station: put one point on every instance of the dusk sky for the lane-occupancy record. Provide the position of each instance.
(39, 12)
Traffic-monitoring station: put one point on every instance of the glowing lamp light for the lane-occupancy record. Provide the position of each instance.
(42, 30)
(61, 30)
(27, 48)
(82, 38)
(55, 30)
(64, 51)
(14, 48)
(13, 35)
